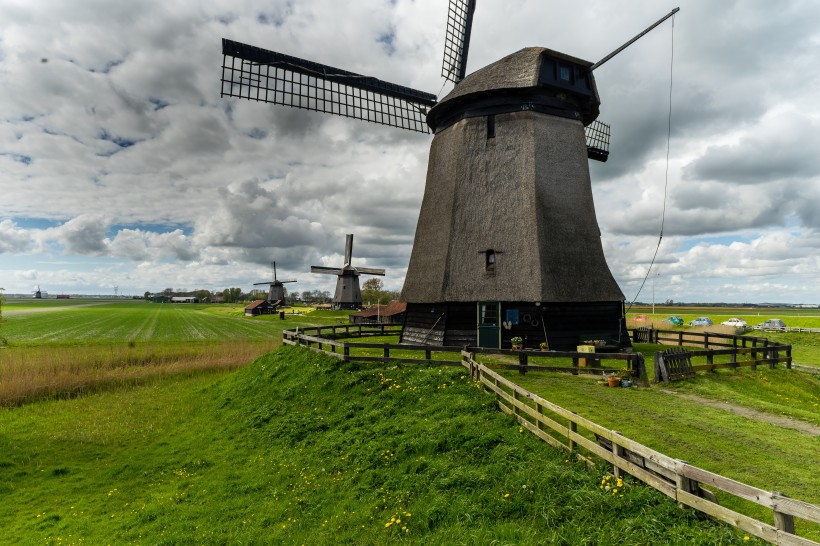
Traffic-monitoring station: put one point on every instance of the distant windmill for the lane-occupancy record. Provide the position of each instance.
(38, 294)
(348, 293)
(507, 243)
(276, 292)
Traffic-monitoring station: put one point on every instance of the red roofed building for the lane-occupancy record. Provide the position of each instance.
(260, 307)
(392, 313)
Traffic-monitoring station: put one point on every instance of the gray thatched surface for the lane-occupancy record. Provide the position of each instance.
(517, 70)
(525, 194)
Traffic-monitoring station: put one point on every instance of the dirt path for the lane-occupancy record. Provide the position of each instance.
(749, 413)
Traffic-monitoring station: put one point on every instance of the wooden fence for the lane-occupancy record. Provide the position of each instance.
(319, 339)
(675, 478)
(741, 350)
(688, 485)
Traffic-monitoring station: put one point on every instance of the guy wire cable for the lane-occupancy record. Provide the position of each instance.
(666, 175)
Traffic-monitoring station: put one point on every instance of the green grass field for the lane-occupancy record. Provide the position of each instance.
(300, 449)
(159, 413)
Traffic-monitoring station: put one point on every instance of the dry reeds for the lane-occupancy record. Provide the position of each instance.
(37, 373)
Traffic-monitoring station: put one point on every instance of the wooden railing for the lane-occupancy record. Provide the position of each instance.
(319, 339)
(675, 478)
(741, 350)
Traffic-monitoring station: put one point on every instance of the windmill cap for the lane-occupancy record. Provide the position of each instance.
(534, 78)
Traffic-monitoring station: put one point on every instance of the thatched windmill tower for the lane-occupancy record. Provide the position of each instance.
(348, 293)
(507, 242)
(276, 290)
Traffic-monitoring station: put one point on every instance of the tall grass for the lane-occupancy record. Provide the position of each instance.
(36, 373)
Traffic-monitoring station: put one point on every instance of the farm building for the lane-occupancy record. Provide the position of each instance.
(184, 299)
(260, 307)
(392, 313)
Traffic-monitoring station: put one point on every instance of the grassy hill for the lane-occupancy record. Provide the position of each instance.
(297, 448)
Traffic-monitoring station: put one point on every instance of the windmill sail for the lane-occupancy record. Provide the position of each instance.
(457, 40)
(254, 73)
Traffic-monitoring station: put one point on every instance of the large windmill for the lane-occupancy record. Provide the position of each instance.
(507, 243)
(348, 293)
(276, 292)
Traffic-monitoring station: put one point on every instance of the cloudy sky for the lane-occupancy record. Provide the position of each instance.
(120, 165)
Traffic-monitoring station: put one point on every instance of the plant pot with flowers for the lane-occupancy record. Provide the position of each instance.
(517, 343)
(613, 380)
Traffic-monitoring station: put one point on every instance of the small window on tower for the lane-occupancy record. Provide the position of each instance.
(491, 126)
(489, 261)
(564, 73)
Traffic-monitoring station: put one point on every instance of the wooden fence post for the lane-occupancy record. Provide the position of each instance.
(789, 358)
(640, 368)
(682, 483)
(680, 338)
(705, 340)
(516, 411)
(618, 452)
(522, 363)
(783, 522)
(386, 351)
(573, 427)
(346, 352)
(574, 365)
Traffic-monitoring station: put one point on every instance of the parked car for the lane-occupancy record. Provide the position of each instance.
(674, 320)
(772, 323)
(701, 321)
(736, 322)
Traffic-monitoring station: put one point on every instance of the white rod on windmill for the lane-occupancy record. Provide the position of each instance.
(635, 39)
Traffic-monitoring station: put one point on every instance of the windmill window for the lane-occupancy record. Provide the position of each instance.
(489, 261)
(491, 126)
(564, 73)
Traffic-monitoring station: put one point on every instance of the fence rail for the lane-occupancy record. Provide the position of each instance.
(673, 477)
(587, 363)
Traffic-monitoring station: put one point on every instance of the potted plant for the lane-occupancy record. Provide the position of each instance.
(613, 380)
(517, 343)
(544, 346)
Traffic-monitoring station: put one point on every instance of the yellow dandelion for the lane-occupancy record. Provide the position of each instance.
(506, 495)
(746, 537)
(388, 524)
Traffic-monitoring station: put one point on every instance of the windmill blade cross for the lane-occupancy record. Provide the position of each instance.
(457, 39)
(258, 74)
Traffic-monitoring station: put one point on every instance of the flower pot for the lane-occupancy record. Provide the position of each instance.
(517, 346)
(613, 381)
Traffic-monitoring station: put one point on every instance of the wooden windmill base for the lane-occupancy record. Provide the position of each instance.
(563, 326)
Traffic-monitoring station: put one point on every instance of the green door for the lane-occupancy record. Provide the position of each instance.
(489, 321)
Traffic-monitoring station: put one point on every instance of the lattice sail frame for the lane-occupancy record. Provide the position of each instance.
(457, 39)
(597, 137)
(258, 74)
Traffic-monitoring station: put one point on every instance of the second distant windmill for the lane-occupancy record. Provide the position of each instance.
(276, 292)
(348, 293)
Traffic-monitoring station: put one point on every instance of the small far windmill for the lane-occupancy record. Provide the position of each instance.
(348, 293)
(507, 243)
(276, 292)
